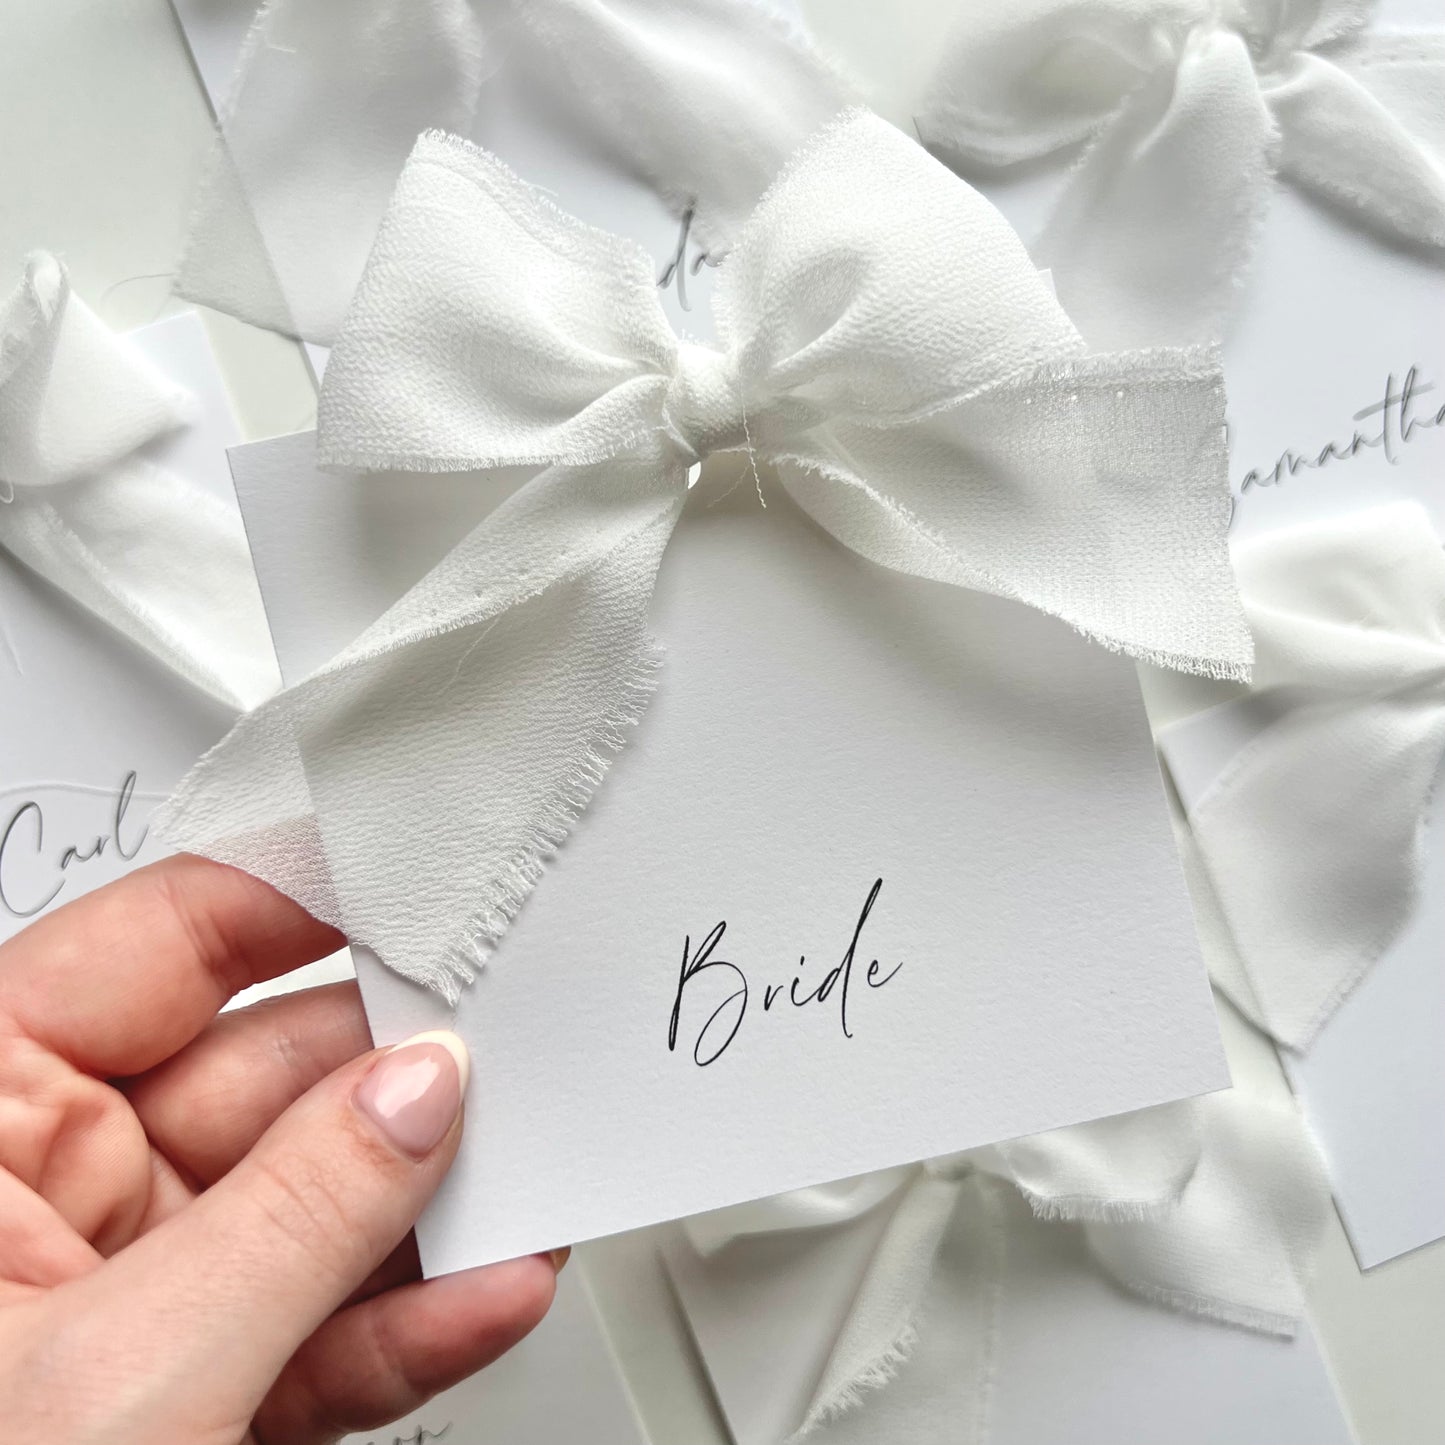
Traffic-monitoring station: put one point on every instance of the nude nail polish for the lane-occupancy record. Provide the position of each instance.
(414, 1091)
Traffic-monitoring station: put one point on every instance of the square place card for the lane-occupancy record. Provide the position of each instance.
(938, 812)
(93, 731)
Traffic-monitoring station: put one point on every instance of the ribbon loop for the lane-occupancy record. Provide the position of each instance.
(1311, 837)
(74, 397)
(1212, 1207)
(156, 558)
(1184, 108)
(703, 100)
(492, 330)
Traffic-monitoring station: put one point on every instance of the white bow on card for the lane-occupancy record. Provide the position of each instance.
(148, 552)
(1212, 1207)
(1187, 109)
(1310, 839)
(704, 100)
(943, 420)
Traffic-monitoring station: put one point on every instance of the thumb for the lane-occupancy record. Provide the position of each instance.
(219, 1297)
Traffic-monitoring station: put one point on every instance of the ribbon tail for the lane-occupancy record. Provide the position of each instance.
(1312, 841)
(327, 103)
(926, 1311)
(411, 790)
(163, 563)
(1132, 1166)
(1094, 490)
(819, 1207)
(1240, 1244)
(1160, 216)
(1366, 130)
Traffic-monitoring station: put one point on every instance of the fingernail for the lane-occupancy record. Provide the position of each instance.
(560, 1257)
(414, 1091)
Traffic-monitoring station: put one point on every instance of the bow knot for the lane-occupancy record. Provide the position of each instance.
(1212, 1207)
(702, 408)
(1184, 112)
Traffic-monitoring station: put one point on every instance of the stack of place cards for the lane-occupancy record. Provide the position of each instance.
(1337, 387)
(1335, 369)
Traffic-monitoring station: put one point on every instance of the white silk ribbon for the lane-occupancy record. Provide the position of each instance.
(1310, 839)
(704, 100)
(1212, 1207)
(945, 422)
(148, 552)
(1186, 110)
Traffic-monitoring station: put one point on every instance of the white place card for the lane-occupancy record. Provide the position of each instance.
(1337, 404)
(938, 812)
(93, 731)
(1335, 367)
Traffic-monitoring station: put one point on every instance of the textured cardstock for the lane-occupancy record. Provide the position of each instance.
(824, 733)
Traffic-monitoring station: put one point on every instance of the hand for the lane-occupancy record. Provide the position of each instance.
(204, 1222)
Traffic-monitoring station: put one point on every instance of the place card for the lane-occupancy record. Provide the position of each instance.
(883, 872)
(94, 732)
(1336, 376)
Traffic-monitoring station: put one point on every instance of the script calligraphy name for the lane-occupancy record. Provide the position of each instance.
(722, 1024)
(34, 867)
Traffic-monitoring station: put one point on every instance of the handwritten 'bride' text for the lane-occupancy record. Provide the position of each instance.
(722, 1024)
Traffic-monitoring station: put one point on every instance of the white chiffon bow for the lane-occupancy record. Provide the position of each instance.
(148, 552)
(1188, 109)
(1311, 837)
(703, 100)
(1212, 1207)
(943, 421)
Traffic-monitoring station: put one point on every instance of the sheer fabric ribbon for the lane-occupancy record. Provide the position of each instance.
(704, 100)
(1213, 1207)
(946, 423)
(149, 553)
(1311, 838)
(1186, 110)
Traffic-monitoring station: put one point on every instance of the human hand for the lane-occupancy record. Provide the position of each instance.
(204, 1222)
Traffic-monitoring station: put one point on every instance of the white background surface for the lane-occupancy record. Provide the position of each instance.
(104, 123)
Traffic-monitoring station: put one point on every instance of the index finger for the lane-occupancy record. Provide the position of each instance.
(124, 977)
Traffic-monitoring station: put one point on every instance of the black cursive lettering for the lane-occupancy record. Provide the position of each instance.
(420, 1438)
(691, 968)
(678, 269)
(29, 818)
(1400, 423)
(32, 811)
(733, 1007)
